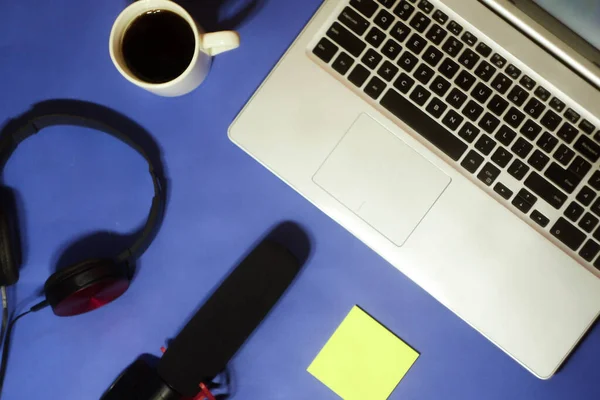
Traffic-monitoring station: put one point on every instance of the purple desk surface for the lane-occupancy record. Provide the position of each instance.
(74, 182)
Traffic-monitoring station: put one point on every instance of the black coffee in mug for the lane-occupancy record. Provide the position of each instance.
(158, 46)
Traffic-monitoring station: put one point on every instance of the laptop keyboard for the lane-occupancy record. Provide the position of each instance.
(473, 104)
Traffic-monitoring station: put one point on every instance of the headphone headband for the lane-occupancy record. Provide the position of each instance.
(78, 113)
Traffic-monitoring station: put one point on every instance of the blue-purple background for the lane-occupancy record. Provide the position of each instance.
(73, 182)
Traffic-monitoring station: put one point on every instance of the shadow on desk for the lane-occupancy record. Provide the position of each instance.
(219, 15)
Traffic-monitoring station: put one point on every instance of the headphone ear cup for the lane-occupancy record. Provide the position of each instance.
(9, 252)
(86, 286)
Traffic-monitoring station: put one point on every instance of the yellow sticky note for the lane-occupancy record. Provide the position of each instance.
(362, 360)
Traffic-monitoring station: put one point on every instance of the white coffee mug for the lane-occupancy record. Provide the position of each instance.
(207, 45)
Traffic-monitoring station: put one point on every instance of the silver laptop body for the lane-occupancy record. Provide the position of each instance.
(467, 161)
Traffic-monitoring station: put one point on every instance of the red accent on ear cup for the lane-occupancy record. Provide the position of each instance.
(86, 286)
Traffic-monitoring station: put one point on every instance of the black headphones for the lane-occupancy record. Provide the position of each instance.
(90, 284)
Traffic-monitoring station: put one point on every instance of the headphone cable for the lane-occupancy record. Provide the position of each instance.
(6, 346)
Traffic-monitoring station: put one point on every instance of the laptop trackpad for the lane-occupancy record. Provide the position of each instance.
(381, 179)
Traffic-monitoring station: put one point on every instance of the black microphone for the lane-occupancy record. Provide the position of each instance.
(204, 347)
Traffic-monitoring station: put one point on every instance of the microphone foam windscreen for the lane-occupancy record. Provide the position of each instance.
(206, 344)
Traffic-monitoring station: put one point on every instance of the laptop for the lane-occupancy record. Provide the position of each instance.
(460, 140)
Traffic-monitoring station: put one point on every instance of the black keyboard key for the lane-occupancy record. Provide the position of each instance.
(408, 61)
(365, 7)
(354, 21)
(534, 108)
(489, 123)
(432, 56)
(359, 75)
(488, 174)
(404, 83)
(580, 167)
(547, 142)
(530, 130)
(472, 161)
(564, 155)
(455, 28)
(567, 132)
(551, 120)
(420, 22)
(400, 31)
(501, 157)
(404, 10)
(468, 132)
(452, 120)
(436, 34)
(424, 74)
(505, 135)
(539, 218)
(518, 170)
(588, 222)
(383, 19)
(452, 46)
(588, 148)
(538, 160)
(498, 60)
(483, 49)
(325, 50)
(597, 136)
(387, 3)
(346, 39)
(572, 237)
(521, 204)
(547, 191)
(501, 83)
(542, 93)
(440, 86)
(574, 211)
(564, 179)
(527, 196)
(522, 148)
(595, 180)
(391, 49)
(572, 115)
(485, 144)
(468, 59)
(424, 125)
(590, 250)
(420, 95)
(527, 82)
(465, 80)
(596, 210)
(518, 95)
(557, 104)
(440, 17)
(426, 6)
(587, 127)
(485, 71)
(513, 71)
(456, 98)
(375, 87)
(514, 117)
(436, 107)
(481, 92)
(503, 191)
(375, 37)
(387, 71)
(416, 43)
(586, 196)
(497, 105)
(469, 38)
(372, 59)
(472, 110)
(343, 63)
(448, 68)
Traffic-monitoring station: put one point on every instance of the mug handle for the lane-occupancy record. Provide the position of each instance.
(220, 42)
